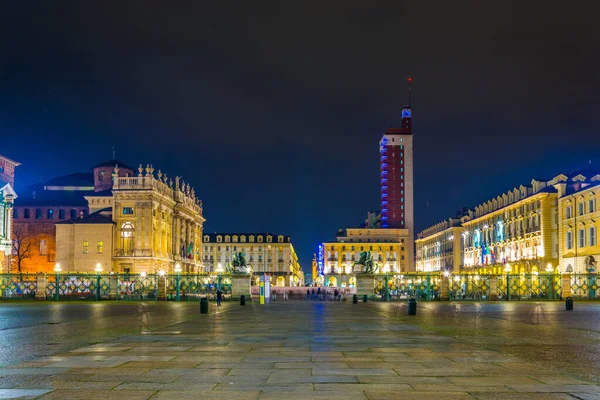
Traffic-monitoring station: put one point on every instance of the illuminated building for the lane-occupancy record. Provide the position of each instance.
(62, 198)
(439, 247)
(265, 254)
(579, 220)
(7, 198)
(396, 178)
(517, 227)
(145, 223)
(388, 246)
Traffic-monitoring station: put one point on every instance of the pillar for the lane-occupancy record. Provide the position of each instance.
(162, 288)
(566, 285)
(40, 293)
(445, 284)
(113, 291)
(493, 287)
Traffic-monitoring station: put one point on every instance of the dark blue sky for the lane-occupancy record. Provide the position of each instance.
(273, 110)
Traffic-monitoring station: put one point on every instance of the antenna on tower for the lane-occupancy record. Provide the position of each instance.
(409, 83)
(113, 152)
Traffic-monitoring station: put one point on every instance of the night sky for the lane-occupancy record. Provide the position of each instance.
(273, 110)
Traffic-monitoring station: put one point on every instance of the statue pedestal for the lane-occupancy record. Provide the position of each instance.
(240, 285)
(365, 284)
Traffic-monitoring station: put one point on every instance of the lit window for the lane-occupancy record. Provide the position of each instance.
(43, 250)
(86, 247)
(569, 212)
(50, 213)
(127, 210)
(99, 247)
(569, 240)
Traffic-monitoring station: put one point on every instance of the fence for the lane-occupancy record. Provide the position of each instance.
(192, 287)
(529, 287)
(18, 286)
(469, 287)
(398, 287)
(584, 286)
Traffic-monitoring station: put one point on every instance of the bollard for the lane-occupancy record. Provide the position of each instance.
(364, 298)
(243, 300)
(569, 303)
(354, 299)
(203, 305)
(412, 307)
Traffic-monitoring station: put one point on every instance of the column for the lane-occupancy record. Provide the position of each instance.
(493, 287)
(566, 285)
(40, 293)
(444, 288)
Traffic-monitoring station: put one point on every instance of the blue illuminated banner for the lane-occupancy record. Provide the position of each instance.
(320, 264)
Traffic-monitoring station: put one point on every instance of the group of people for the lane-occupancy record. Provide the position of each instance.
(333, 295)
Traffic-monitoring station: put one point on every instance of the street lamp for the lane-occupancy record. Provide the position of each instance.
(177, 277)
(98, 272)
(507, 269)
(57, 270)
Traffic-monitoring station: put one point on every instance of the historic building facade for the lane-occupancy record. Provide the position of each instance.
(518, 228)
(7, 198)
(440, 247)
(265, 253)
(145, 224)
(388, 246)
(59, 199)
(579, 221)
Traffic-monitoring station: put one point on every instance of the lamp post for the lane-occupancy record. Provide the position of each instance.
(507, 269)
(177, 278)
(57, 271)
(98, 272)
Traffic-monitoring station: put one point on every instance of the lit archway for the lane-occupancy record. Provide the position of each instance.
(281, 281)
(332, 281)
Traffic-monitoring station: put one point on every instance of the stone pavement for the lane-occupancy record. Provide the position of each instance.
(294, 350)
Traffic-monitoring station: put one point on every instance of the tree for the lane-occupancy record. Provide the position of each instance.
(21, 246)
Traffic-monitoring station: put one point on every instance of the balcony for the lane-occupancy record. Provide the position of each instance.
(133, 253)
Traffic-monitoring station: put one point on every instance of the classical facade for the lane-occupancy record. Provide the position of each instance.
(518, 228)
(579, 221)
(388, 246)
(63, 198)
(440, 247)
(145, 223)
(266, 254)
(7, 198)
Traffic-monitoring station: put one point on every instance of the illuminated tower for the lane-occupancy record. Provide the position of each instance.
(396, 176)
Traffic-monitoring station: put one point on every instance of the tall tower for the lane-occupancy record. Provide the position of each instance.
(396, 178)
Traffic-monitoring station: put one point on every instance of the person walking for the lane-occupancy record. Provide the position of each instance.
(307, 294)
(313, 293)
(319, 293)
(219, 296)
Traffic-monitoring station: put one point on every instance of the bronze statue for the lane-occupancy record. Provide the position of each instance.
(366, 260)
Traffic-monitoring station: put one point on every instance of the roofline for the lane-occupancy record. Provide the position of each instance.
(16, 163)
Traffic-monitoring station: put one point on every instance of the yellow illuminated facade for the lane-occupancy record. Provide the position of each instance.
(389, 248)
(518, 228)
(579, 218)
(265, 254)
(439, 247)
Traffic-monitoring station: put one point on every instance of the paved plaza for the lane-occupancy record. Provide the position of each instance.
(300, 350)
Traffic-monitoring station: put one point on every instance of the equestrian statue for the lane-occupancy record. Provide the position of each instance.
(238, 264)
(366, 260)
